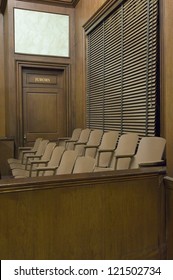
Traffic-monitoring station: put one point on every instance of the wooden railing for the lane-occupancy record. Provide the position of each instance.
(109, 215)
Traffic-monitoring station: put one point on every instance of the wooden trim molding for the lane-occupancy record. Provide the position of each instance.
(66, 3)
(3, 4)
(35, 183)
(101, 13)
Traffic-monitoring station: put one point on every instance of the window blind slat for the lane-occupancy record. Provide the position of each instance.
(122, 61)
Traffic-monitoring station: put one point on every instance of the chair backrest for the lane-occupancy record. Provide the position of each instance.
(45, 157)
(109, 141)
(83, 139)
(55, 159)
(94, 140)
(42, 147)
(33, 149)
(95, 137)
(127, 145)
(48, 151)
(67, 162)
(84, 136)
(45, 153)
(84, 164)
(36, 144)
(75, 136)
(150, 149)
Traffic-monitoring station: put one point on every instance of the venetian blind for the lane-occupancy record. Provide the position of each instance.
(122, 70)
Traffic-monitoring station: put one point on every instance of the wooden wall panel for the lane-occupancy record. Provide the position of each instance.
(169, 216)
(167, 79)
(83, 11)
(2, 95)
(118, 215)
(6, 152)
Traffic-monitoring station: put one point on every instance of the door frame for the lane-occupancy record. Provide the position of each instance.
(20, 65)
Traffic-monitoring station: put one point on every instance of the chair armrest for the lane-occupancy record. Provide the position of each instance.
(106, 150)
(46, 168)
(152, 163)
(63, 138)
(90, 146)
(28, 152)
(24, 148)
(34, 156)
(30, 157)
(117, 157)
(38, 161)
(67, 141)
(80, 143)
(124, 156)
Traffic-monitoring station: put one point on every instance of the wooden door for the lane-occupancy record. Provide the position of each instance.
(44, 104)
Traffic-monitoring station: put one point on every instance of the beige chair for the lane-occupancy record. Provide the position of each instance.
(65, 166)
(40, 152)
(90, 149)
(106, 149)
(67, 162)
(150, 152)
(126, 148)
(69, 142)
(28, 157)
(83, 139)
(53, 164)
(84, 164)
(23, 151)
(35, 162)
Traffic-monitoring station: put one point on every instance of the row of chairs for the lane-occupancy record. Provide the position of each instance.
(116, 151)
(87, 150)
(54, 161)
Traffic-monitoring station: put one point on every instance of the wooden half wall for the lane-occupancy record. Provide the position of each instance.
(110, 215)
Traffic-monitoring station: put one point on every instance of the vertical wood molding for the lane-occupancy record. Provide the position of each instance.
(166, 78)
(2, 81)
(3, 4)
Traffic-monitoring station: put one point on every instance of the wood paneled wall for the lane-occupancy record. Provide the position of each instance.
(119, 215)
(2, 95)
(6, 152)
